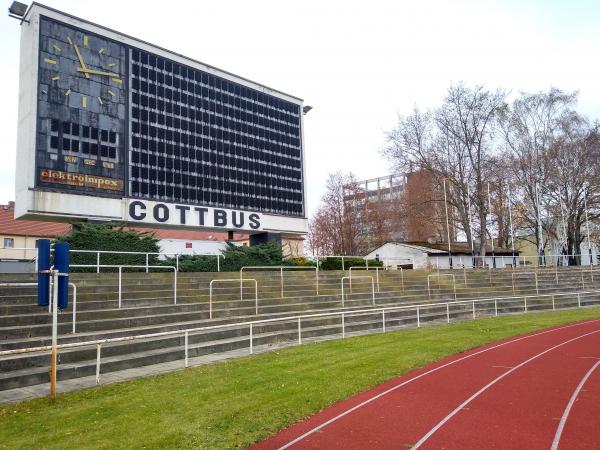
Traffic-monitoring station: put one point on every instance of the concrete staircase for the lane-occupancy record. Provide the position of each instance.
(148, 307)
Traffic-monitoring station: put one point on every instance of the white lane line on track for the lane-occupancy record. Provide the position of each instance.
(490, 384)
(565, 416)
(404, 383)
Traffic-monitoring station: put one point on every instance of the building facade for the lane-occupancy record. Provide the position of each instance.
(115, 128)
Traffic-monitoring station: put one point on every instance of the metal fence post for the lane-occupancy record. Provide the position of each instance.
(299, 331)
(218, 263)
(553, 305)
(418, 318)
(578, 300)
(343, 267)
(97, 262)
(383, 319)
(174, 286)
(281, 275)
(473, 310)
(74, 305)
(185, 345)
(251, 343)
(146, 262)
(343, 326)
(98, 348)
(177, 261)
(120, 284)
(496, 307)
(525, 301)
(448, 312)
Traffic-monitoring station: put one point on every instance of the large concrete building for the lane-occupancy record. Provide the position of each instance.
(115, 128)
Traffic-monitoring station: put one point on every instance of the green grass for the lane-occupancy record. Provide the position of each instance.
(232, 404)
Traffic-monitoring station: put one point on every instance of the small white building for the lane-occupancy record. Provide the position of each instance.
(423, 255)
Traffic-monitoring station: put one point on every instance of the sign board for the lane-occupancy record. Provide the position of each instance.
(114, 128)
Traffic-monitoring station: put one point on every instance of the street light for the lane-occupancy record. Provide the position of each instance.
(18, 10)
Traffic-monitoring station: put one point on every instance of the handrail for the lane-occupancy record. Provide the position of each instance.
(73, 313)
(281, 269)
(361, 276)
(121, 266)
(537, 291)
(231, 280)
(441, 275)
(367, 268)
(282, 319)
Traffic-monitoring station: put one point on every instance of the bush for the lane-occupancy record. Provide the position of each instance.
(85, 236)
(194, 263)
(299, 261)
(336, 263)
(236, 257)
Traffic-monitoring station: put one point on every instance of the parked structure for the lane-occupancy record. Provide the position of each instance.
(421, 255)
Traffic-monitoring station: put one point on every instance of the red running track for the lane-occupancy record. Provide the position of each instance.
(541, 390)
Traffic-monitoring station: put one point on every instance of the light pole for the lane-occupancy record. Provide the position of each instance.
(512, 230)
(471, 225)
(491, 236)
(587, 224)
(447, 225)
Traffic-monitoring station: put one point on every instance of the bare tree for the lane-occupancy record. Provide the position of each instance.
(454, 143)
(530, 127)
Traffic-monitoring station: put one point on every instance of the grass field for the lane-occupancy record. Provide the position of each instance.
(235, 403)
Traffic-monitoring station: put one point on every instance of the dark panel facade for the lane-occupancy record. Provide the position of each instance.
(201, 139)
(82, 104)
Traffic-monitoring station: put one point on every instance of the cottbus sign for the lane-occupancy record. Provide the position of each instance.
(159, 213)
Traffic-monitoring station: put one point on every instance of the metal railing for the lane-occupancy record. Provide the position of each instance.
(438, 275)
(537, 291)
(280, 269)
(73, 312)
(384, 311)
(231, 280)
(120, 270)
(361, 276)
(376, 269)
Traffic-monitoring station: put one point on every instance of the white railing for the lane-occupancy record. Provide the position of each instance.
(438, 275)
(120, 270)
(363, 277)
(231, 280)
(384, 311)
(537, 291)
(280, 269)
(376, 275)
(73, 312)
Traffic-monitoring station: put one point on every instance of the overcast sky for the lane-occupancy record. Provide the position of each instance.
(358, 64)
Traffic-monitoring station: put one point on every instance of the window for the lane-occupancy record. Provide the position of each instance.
(9, 243)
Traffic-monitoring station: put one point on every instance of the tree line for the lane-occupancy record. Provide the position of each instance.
(532, 162)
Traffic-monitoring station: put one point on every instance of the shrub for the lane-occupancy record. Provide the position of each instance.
(299, 261)
(336, 263)
(85, 236)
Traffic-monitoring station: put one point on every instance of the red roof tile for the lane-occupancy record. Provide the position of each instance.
(10, 226)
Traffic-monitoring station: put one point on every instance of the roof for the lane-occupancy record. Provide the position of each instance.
(441, 248)
(10, 226)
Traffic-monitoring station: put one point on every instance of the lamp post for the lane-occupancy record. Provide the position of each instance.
(447, 225)
(471, 225)
(491, 236)
(512, 230)
(587, 224)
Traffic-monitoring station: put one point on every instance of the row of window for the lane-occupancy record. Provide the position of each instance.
(85, 147)
(201, 110)
(212, 150)
(154, 65)
(202, 97)
(214, 163)
(212, 173)
(75, 129)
